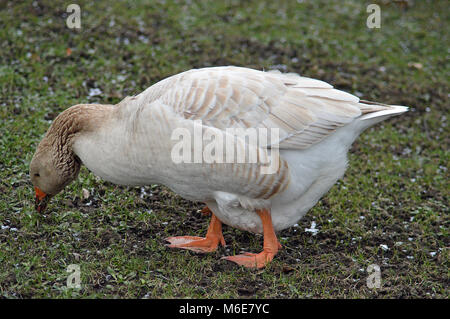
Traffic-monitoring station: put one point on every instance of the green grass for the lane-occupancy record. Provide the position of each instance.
(394, 193)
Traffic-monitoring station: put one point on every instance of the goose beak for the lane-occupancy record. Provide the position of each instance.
(41, 200)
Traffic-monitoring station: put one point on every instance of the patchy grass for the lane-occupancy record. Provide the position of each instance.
(394, 194)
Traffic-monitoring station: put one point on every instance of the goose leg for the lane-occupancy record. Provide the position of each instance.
(206, 211)
(201, 244)
(271, 246)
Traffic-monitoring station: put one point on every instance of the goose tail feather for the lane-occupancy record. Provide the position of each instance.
(371, 110)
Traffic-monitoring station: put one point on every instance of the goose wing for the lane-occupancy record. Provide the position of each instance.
(304, 110)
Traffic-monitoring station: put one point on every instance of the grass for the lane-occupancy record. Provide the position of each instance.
(395, 192)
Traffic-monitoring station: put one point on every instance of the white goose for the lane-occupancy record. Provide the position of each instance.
(131, 143)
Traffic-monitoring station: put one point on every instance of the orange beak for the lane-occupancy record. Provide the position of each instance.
(41, 200)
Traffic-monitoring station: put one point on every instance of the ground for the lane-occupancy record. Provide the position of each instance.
(390, 209)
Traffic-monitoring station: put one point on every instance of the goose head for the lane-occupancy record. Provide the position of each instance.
(50, 173)
(54, 164)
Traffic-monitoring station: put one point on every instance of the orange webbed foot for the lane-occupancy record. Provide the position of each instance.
(271, 246)
(201, 244)
(251, 260)
(194, 243)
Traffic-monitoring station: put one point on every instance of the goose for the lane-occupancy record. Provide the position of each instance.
(138, 142)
